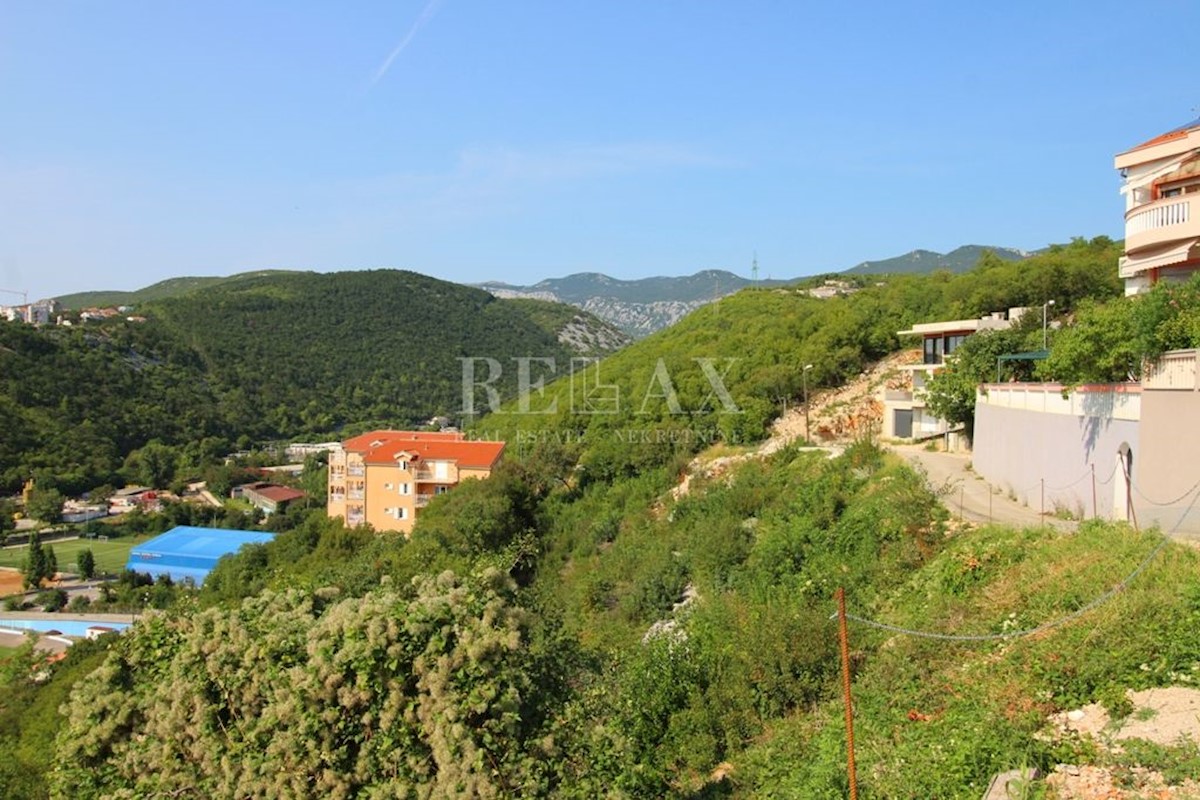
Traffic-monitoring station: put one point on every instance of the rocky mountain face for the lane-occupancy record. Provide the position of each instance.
(641, 307)
(638, 307)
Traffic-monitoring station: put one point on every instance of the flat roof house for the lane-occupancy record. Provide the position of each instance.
(904, 413)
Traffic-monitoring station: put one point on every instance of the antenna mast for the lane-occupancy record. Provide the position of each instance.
(754, 268)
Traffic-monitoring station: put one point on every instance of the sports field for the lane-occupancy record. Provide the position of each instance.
(110, 556)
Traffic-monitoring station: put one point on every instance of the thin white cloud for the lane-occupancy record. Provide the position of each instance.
(430, 9)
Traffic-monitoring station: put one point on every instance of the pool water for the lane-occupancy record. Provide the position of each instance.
(67, 627)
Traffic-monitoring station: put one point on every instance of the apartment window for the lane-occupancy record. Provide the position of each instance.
(405, 488)
(933, 350)
(1173, 192)
(387, 486)
(403, 466)
(439, 490)
(952, 342)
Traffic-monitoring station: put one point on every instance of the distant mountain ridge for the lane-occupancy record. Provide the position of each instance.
(636, 307)
(960, 259)
(641, 307)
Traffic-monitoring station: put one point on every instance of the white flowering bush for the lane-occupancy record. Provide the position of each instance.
(296, 694)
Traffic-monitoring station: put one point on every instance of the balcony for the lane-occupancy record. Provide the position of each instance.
(892, 396)
(428, 476)
(358, 470)
(423, 500)
(1162, 222)
(355, 494)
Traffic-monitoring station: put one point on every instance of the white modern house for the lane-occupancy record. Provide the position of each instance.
(905, 415)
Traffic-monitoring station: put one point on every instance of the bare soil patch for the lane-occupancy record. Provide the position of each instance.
(10, 582)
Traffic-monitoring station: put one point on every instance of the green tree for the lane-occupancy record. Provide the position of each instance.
(153, 464)
(45, 505)
(951, 390)
(86, 562)
(1110, 342)
(6, 518)
(51, 599)
(37, 567)
(51, 562)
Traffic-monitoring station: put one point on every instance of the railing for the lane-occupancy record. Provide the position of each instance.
(423, 500)
(1158, 216)
(1173, 370)
(1118, 401)
(1148, 225)
(355, 494)
(429, 476)
(357, 471)
(897, 396)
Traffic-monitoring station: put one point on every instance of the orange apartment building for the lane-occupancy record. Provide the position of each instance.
(1161, 184)
(384, 478)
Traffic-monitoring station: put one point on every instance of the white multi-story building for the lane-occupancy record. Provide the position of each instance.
(1161, 184)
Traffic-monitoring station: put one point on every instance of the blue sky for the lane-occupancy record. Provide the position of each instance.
(515, 141)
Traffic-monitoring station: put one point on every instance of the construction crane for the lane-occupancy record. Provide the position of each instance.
(24, 295)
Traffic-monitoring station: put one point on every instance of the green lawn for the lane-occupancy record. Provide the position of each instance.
(110, 556)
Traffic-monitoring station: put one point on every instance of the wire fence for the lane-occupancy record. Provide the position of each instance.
(1084, 609)
(1045, 626)
(1121, 498)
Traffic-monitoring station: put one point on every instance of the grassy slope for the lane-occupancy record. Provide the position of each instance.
(937, 718)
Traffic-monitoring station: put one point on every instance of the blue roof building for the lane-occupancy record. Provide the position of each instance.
(187, 552)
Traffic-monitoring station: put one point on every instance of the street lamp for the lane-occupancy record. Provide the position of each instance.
(1045, 306)
(804, 373)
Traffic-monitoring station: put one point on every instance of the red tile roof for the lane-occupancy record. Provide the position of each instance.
(1178, 133)
(425, 447)
(277, 494)
(364, 442)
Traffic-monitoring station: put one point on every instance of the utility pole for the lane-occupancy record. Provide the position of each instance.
(754, 269)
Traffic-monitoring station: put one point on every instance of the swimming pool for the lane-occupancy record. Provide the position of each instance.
(67, 627)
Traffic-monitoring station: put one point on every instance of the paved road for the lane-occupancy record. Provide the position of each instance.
(970, 496)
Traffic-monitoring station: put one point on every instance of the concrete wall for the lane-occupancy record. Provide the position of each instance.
(1167, 471)
(1027, 433)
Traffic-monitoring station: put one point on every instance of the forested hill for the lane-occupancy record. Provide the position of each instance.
(582, 624)
(267, 356)
(171, 287)
(759, 339)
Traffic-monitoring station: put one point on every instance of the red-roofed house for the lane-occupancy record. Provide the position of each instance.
(1161, 184)
(271, 498)
(384, 478)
